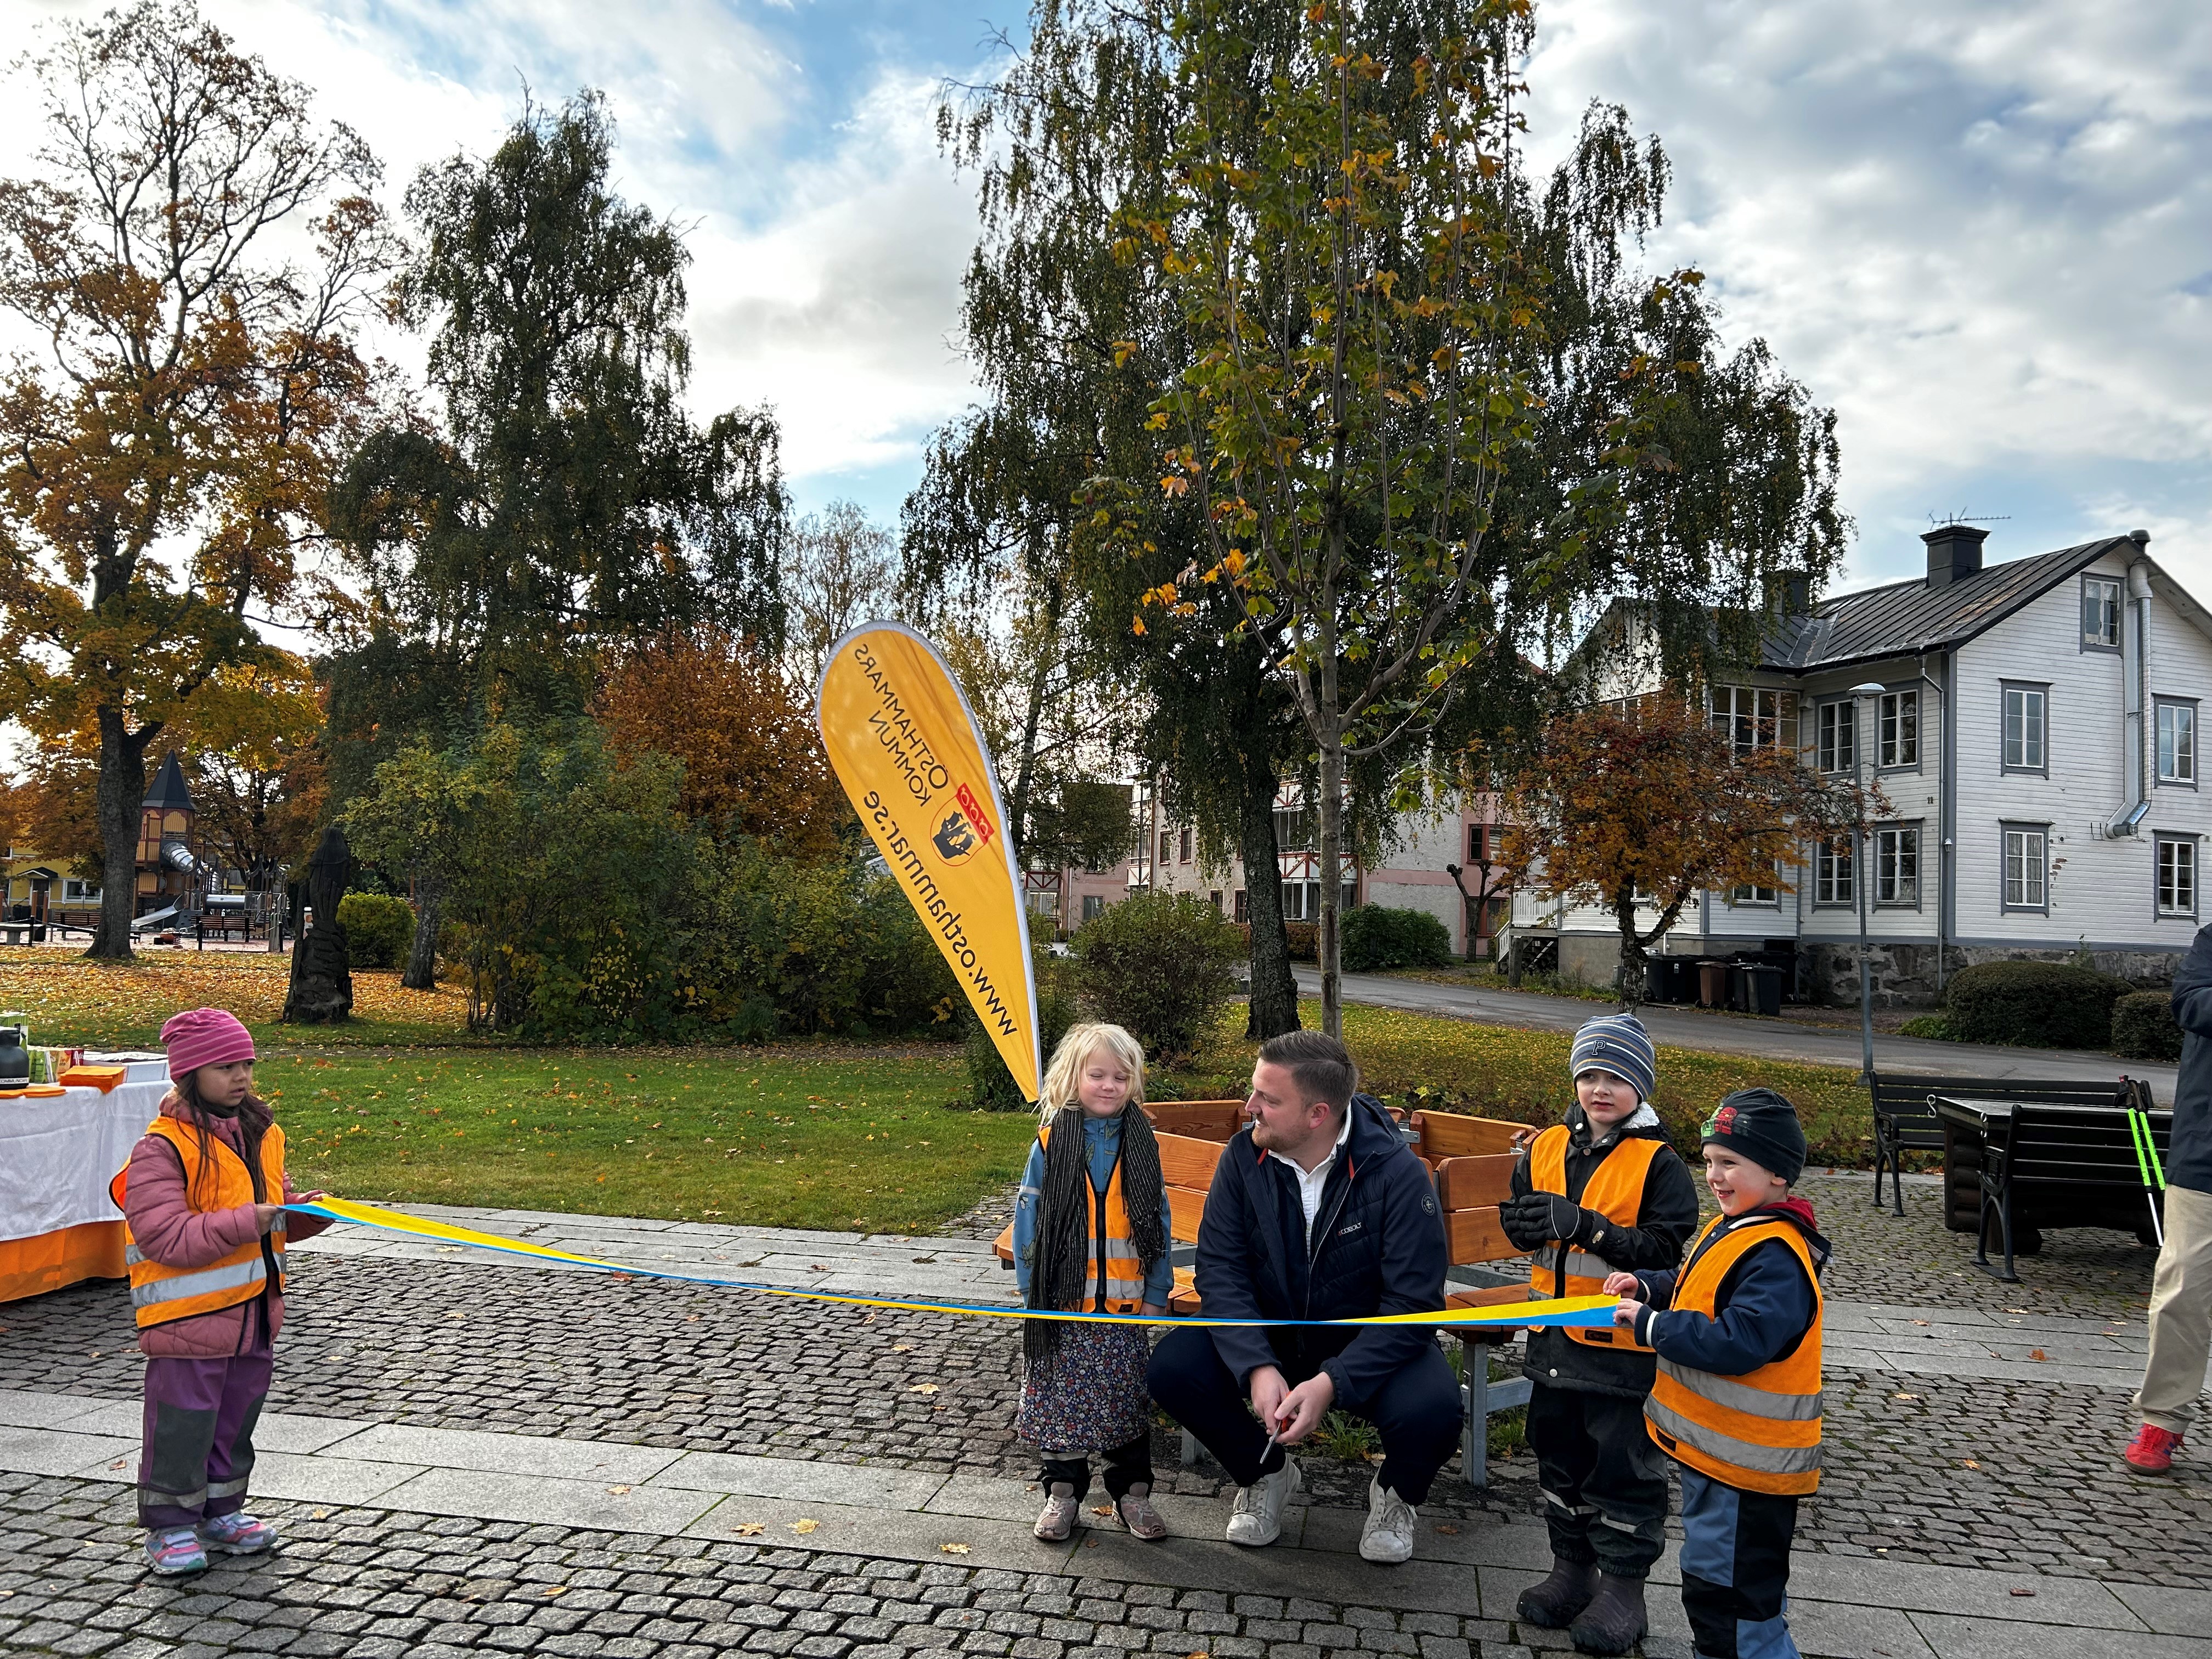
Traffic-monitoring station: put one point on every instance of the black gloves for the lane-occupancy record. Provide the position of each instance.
(1534, 1219)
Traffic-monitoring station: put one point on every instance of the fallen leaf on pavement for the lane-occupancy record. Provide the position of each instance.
(1448, 1528)
(803, 1527)
(2023, 1592)
(902, 1347)
(554, 1589)
(1102, 1508)
(2037, 1353)
(953, 1549)
(617, 1492)
(1968, 1463)
(923, 1387)
(1905, 1396)
(749, 1528)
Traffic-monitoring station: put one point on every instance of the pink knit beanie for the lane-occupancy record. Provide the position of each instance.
(205, 1036)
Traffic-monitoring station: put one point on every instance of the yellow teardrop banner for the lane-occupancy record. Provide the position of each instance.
(905, 744)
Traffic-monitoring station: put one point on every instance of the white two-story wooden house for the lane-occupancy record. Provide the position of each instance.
(2033, 727)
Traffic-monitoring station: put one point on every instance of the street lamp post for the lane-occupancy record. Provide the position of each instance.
(1863, 730)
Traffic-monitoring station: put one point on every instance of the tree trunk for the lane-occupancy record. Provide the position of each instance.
(122, 798)
(1332, 885)
(1628, 980)
(1275, 1008)
(422, 973)
(1018, 802)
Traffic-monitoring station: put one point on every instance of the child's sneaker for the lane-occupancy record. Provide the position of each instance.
(2152, 1449)
(237, 1534)
(174, 1552)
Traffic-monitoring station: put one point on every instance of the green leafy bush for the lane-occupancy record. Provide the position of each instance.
(991, 1087)
(379, 929)
(1159, 965)
(2041, 1004)
(1934, 1027)
(1302, 941)
(1378, 936)
(2143, 1026)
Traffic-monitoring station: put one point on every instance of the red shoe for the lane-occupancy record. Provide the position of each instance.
(2152, 1449)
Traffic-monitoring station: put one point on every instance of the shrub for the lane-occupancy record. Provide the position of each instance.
(1934, 1027)
(2143, 1026)
(2043, 1005)
(1377, 936)
(1159, 964)
(990, 1085)
(379, 929)
(1302, 941)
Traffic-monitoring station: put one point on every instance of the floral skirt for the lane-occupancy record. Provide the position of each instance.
(1089, 1394)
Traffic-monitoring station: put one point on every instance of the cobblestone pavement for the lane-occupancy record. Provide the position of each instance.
(370, 1585)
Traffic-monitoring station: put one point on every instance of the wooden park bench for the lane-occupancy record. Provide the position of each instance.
(1471, 1161)
(2046, 1163)
(1905, 1121)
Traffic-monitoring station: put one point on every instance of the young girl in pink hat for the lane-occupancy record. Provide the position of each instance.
(206, 1237)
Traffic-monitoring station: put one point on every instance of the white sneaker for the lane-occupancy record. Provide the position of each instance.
(1387, 1537)
(1257, 1518)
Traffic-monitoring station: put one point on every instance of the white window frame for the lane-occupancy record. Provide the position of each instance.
(2175, 744)
(1836, 745)
(1834, 878)
(1896, 731)
(2024, 867)
(1896, 847)
(2110, 600)
(1756, 893)
(2175, 862)
(2034, 746)
(1754, 716)
(74, 890)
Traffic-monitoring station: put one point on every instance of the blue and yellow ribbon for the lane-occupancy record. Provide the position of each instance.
(1582, 1311)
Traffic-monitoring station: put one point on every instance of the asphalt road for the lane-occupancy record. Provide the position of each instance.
(1739, 1034)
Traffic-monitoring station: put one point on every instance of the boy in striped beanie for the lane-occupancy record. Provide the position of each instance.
(1595, 1194)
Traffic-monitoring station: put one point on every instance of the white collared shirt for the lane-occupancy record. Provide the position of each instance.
(1311, 1182)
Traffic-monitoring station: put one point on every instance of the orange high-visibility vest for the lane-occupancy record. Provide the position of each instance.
(160, 1294)
(1616, 1191)
(1760, 1432)
(1117, 1271)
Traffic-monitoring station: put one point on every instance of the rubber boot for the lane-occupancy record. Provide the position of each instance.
(1613, 1622)
(1553, 1603)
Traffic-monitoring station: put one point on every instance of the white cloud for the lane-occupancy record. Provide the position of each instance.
(1972, 227)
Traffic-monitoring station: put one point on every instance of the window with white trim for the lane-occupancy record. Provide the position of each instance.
(1838, 733)
(74, 890)
(1896, 865)
(1899, 724)
(2100, 613)
(2177, 876)
(2177, 742)
(1831, 874)
(2027, 733)
(2027, 867)
(1758, 893)
(1755, 717)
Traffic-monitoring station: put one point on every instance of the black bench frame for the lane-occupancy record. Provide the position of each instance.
(1904, 1121)
(2053, 1145)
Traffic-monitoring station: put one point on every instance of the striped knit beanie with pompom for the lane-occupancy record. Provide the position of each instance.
(1617, 1043)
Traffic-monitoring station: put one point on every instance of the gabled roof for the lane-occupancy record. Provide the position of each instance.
(1904, 619)
(168, 791)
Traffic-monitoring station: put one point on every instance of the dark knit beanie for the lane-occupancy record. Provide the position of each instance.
(1762, 1126)
(1617, 1043)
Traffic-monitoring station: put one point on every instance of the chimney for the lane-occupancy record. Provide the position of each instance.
(1954, 552)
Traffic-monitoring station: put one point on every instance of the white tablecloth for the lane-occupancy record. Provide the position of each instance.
(57, 1155)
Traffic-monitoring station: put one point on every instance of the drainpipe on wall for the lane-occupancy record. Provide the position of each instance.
(1947, 854)
(2135, 696)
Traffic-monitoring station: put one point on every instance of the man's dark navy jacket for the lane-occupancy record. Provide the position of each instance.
(1377, 1247)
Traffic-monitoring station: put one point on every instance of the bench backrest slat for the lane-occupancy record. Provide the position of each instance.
(1204, 1119)
(1455, 1134)
(1187, 1161)
(1475, 1236)
(1474, 1183)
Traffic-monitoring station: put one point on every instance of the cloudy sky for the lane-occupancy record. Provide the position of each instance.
(1981, 230)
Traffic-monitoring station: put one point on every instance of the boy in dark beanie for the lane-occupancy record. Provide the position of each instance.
(1737, 1400)
(1602, 1192)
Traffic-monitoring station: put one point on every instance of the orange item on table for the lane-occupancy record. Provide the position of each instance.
(102, 1078)
(32, 1267)
(34, 1091)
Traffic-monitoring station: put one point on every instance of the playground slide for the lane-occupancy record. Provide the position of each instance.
(148, 923)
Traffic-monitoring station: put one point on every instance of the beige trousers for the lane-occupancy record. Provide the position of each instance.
(2181, 1313)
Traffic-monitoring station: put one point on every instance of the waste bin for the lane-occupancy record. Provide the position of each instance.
(1712, 982)
(1681, 978)
(1739, 1000)
(1655, 980)
(1763, 988)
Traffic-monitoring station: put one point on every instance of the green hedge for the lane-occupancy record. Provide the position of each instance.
(379, 929)
(1158, 965)
(2143, 1026)
(2036, 1005)
(1378, 936)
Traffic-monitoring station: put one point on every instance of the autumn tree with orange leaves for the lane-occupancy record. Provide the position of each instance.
(167, 453)
(1639, 806)
(719, 704)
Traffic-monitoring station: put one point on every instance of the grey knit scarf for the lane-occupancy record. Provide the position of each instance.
(1061, 1274)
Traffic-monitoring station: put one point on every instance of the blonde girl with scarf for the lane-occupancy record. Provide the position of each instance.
(1090, 1234)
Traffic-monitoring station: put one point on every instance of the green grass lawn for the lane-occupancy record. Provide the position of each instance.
(848, 1138)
